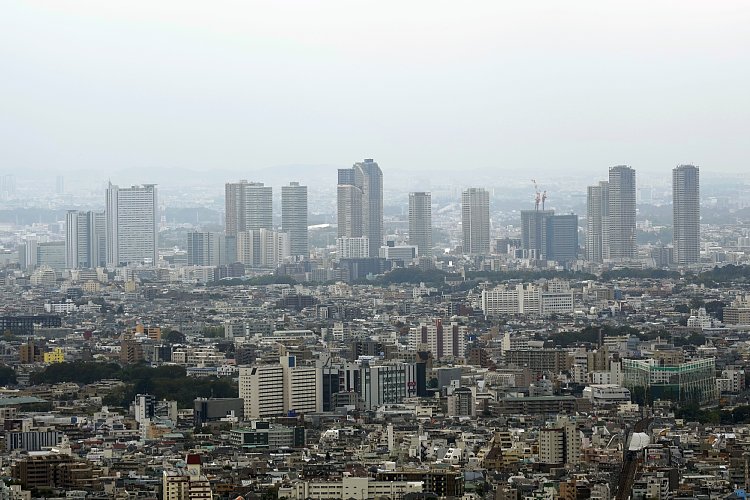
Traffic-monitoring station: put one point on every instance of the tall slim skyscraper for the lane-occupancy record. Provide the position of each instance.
(360, 203)
(294, 217)
(249, 206)
(475, 220)
(597, 213)
(132, 217)
(621, 217)
(420, 222)
(686, 214)
(85, 239)
(369, 178)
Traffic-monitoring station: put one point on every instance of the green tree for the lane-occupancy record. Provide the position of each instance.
(174, 337)
(7, 375)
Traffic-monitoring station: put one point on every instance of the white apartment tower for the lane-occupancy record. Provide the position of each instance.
(686, 214)
(560, 444)
(277, 389)
(262, 390)
(360, 203)
(249, 206)
(352, 248)
(475, 221)
(420, 222)
(443, 340)
(294, 217)
(131, 222)
(262, 248)
(597, 213)
(85, 239)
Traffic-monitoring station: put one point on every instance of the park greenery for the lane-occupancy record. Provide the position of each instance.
(721, 415)
(164, 382)
(7, 375)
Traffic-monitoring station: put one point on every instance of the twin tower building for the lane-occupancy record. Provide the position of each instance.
(611, 215)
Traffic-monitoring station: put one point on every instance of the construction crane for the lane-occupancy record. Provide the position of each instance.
(539, 196)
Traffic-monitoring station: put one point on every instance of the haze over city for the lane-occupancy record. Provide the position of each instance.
(374, 250)
(97, 88)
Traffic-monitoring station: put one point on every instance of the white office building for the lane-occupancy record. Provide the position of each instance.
(352, 247)
(131, 216)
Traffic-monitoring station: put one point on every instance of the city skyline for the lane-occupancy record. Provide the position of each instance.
(372, 249)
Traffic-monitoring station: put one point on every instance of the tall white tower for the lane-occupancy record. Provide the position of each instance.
(132, 216)
(294, 217)
(686, 214)
(475, 220)
(420, 222)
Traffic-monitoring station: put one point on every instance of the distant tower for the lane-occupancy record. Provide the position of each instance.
(621, 217)
(420, 222)
(686, 214)
(534, 228)
(249, 206)
(360, 203)
(85, 239)
(206, 249)
(132, 215)
(294, 217)
(597, 210)
(60, 185)
(349, 205)
(475, 219)
(562, 238)
(369, 178)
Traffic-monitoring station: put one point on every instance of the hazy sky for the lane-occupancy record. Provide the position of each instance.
(447, 85)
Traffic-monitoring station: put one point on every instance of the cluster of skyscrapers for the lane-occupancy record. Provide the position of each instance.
(250, 235)
(126, 232)
(611, 215)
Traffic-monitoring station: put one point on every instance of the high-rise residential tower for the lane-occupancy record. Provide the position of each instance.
(369, 178)
(420, 222)
(206, 249)
(686, 214)
(597, 210)
(360, 203)
(85, 239)
(475, 220)
(621, 217)
(132, 215)
(249, 206)
(349, 209)
(294, 217)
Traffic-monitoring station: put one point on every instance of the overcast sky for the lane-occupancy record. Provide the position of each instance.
(447, 85)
